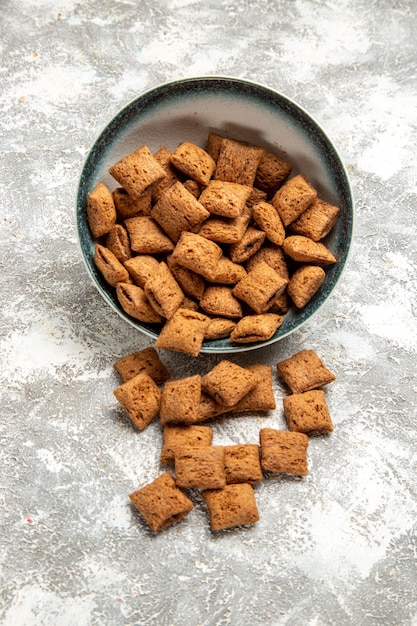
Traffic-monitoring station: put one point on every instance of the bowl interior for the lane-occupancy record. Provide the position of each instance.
(186, 111)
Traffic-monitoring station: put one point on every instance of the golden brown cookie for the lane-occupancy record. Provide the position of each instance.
(293, 198)
(161, 503)
(192, 284)
(109, 266)
(308, 412)
(250, 243)
(134, 302)
(117, 241)
(184, 332)
(271, 173)
(163, 291)
(142, 361)
(225, 230)
(147, 237)
(140, 397)
(261, 397)
(224, 198)
(196, 253)
(304, 283)
(141, 267)
(180, 400)
(237, 162)
(232, 506)
(304, 371)
(305, 250)
(228, 382)
(219, 328)
(126, 206)
(242, 463)
(268, 220)
(283, 451)
(200, 468)
(219, 300)
(193, 161)
(317, 221)
(178, 210)
(260, 287)
(101, 212)
(175, 437)
(137, 172)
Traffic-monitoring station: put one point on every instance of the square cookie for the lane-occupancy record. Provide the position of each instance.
(283, 451)
(304, 371)
(163, 291)
(178, 210)
(180, 400)
(184, 332)
(242, 463)
(140, 397)
(193, 161)
(228, 382)
(308, 412)
(161, 502)
(101, 212)
(293, 198)
(232, 506)
(260, 287)
(175, 437)
(317, 221)
(237, 162)
(137, 171)
(200, 468)
(142, 361)
(261, 397)
(225, 198)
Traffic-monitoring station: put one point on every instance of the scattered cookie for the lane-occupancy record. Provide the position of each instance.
(283, 451)
(161, 503)
(304, 371)
(175, 437)
(142, 361)
(242, 463)
(180, 400)
(308, 412)
(141, 398)
(200, 468)
(228, 382)
(232, 506)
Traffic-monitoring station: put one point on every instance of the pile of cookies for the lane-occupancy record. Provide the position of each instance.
(211, 243)
(224, 474)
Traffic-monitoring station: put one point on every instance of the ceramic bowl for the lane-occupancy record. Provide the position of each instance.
(186, 110)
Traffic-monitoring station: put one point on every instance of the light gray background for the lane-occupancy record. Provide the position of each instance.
(337, 548)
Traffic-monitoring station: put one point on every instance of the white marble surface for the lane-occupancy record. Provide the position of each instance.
(337, 548)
